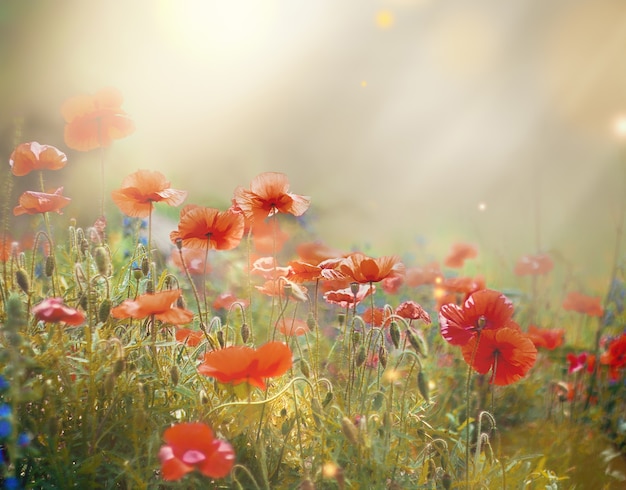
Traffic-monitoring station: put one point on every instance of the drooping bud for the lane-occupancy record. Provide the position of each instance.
(382, 356)
(118, 366)
(245, 333)
(422, 386)
(361, 355)
(101, 257)
(220, 338)
(417, 342)
(149, 286)
(350, 431)
(356, 337)
(310, 322)
(174, 375)
(49, 266)
(394, 332)
(104, 310)
(328, 398)
(21, 278)
(305, 368)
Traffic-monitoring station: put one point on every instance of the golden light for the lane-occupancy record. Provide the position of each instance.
(482, 206)
(384, 19)
(620, 126)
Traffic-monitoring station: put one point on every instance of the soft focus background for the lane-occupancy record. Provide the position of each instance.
(411, 123)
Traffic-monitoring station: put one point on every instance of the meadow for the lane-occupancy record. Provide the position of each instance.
(250, 353)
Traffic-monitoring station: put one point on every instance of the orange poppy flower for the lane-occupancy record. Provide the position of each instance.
(142, 188)
(201, 227)
(28, 157)
(268, 238)
(483, 310)
(195, 259)
(550, 338)
(94, 121)
(303, 272)
(345, 297)
(293, 327)
(375, 317)
(269, 194)
(615, 355)
(264, 266)
(391, 285)
(31, 202)
(161, 305)
(582, 303)
(226, 300)
(192, 446)
(192, 338)
(316, 252)
(413, 311)
(534, 265)
(364, 269)
(428, 274)
(283, 287)
(241, 364)
(53, 310)
(507, 352)
(459, 254)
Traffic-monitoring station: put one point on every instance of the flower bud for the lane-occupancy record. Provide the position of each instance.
(361, 355)
(341, 319)
(245, 333)
(422, 386)
(145, 266)
(220, 338)
(101, 258)
(310, 322)
(174, 375)
(149, 286)
(305, 368)
(118, 366)
(417, 342)
(327, 399)
(104, 310)
(382, 356)
(21, 278)
(350, 431)
(49, 267)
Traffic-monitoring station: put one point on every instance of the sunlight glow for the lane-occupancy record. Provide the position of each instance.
(620, 126)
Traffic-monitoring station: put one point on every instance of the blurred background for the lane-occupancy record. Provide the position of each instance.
(413, 124)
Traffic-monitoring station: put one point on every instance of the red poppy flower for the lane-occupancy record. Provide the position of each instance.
(268, 238)
(31, 202)
(303, 272)
(550, 338)
(459, 254)
(240, 364)
(293, 328)
(534, 265)
(364, 269)
(53, 310)
(226, 300)
(576, 362)
(316, 252)
(582, 303)
(269, 194)
(428, 274)
(265, 267)
(161, 305)
(283, 287)
(507, 351)
(195, 259)
(345, 297)
(28, 157)
(412, 311)
(94, 121)
(392, 284)
(210, 228)
(615, 355)
(142, 188)
(192, 446)
(376, 317)
(483, 310)
(190, 337)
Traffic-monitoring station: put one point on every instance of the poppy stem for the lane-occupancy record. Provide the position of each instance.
(467, 411)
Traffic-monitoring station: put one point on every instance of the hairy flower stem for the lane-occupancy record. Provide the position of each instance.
(467, 412)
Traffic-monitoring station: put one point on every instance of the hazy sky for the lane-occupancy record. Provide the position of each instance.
(449, 120)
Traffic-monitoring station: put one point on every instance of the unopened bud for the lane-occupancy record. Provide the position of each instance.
(245, 333)
(417, 342)
(310, 322)
(328, 398)
(361, 355)
(119, 366)
(49, 267)
(422, 386)
(103, 263)
(356, 337)
(350, 431)
(145, 266)
(21, 277)
(149, 286)
(305, 368)
(104, 310)
(174, 375)
(382, 356)
(341, 319)
(394, 332)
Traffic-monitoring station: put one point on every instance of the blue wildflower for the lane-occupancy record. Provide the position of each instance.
(5, 411)
(4, 384)
(23, 440)
(11, 483)
(6, 428)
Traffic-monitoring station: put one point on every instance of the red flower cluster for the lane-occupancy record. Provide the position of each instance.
(161, 305)
(459, 253)
(490, 339)
(534, 265)
(582, 303)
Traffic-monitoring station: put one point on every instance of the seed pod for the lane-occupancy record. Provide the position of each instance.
(327, 399)
(354, 287)
(361, 355)
(49, 267)
(21, 278)
(350, 431)
(382, 356)
(103, 263)
(84, 246)
(394, 332)
(341, 318)
(422, 386)
(174, 375)
(245, 333)
(118, 366)
(310, 322)
(149, 286)
(305, 369)
(220, 338)
(137, 274)
(356, 337)
(104, 310)
(446, 481)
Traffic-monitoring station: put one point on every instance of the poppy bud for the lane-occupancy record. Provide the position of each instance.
(49, 267)
(84, 246)
(394, 332)
(145, 266)
(103, 263)
(446, 481)
(361, 356)
(137, 273)
(377, 402)
(180, 302)
(350, 431)
(422, 386)
(354, 287)
(304, 368)
(179, 243)
(174, 375)
(220, 338)
(341, 318)
(356, 337)
(150, 286)
(104, 310)
(417, 342)
(327, 399)
(21, 277)
(287, 289)
(382, 356)
(245, 333)
(310, 322)
(118, 366)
